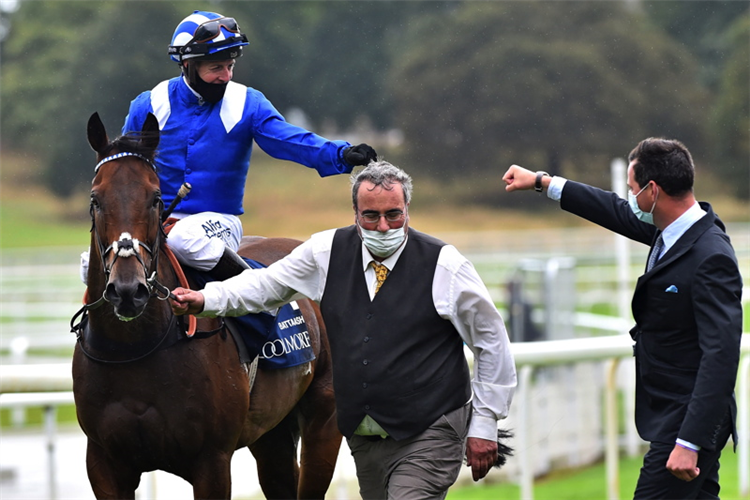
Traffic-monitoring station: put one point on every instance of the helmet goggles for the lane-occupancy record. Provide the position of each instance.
(211, 29)
(207, 39)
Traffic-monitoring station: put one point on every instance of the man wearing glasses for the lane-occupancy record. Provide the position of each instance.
(403, 390)
(208, 124)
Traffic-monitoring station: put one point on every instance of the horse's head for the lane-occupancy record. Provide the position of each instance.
(126, 208)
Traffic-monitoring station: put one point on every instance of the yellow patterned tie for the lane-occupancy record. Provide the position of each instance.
(381, 273)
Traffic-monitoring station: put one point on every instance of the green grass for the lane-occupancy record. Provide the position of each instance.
(20, 228)
(66, 414)
(590, 483)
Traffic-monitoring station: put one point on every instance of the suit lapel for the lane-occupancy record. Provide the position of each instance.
(681, 246)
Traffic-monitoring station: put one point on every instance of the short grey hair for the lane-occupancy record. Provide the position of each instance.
(382, 173)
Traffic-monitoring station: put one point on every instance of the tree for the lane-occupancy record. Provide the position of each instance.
(352, 44)
(731, 119)
(35, 66)
(561, 85)
(65, 60)
(554, 84)
(716, 32)
(330, 59)
(700, 25)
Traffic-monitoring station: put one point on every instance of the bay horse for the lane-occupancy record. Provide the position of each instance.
(147, 396)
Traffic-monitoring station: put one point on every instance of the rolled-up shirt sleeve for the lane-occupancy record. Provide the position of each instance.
(461, 297)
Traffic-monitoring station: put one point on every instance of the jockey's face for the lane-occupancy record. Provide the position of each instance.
(215, 71)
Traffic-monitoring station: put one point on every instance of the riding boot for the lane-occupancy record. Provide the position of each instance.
(230, 264)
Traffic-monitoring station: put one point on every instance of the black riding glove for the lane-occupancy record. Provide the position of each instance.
(360, 155)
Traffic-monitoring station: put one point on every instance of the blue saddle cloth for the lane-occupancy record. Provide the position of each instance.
(280, 341)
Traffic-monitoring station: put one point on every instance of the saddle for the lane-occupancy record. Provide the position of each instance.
(278, 340)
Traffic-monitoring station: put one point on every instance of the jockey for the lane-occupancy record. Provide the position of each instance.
(208, 124)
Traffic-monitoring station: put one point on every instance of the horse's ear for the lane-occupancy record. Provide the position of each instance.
(150, 132)
(97, 134)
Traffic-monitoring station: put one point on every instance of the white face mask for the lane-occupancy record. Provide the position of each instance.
(383, 244)
(647, 217)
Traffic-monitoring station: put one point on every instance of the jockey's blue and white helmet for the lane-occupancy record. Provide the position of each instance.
(207, 35)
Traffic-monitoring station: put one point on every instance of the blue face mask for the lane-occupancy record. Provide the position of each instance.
(647, 217)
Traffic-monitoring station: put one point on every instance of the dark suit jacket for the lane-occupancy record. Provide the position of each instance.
(688, 315)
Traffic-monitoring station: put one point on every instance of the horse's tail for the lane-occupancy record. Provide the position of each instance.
(503, 450)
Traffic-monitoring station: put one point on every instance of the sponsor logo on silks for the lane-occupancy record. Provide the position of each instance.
(289, 344)
(214, 229)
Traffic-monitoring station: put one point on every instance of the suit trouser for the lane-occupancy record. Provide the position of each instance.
(421, 467)
(655, 481)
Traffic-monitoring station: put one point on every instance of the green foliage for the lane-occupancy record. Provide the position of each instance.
(542, 83)
(557, 85)
(327, 58)
(356, 85)
(65, 60)
(700, 25)
(732, 114)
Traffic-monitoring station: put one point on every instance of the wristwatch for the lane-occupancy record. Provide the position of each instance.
(538, 181)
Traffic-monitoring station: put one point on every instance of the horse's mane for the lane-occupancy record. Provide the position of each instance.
(132, 143)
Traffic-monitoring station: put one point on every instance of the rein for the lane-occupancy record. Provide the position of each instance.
(81, 328)
(180, 332)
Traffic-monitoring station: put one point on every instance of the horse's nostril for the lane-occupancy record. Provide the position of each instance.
(111, 295)
(141, 296)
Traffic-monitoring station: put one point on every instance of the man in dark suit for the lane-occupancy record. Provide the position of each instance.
(687, 308)
(404, 397)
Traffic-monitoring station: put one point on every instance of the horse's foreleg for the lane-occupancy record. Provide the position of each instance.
(275, 453)
(320, 450)
(109, 480)
(321, 440)
(212, 477)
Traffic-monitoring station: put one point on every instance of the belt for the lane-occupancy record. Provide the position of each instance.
(373, 438)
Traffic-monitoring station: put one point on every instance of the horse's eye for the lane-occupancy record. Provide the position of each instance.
(157, 201)
(94, 203)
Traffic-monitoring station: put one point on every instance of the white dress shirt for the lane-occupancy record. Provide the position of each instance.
(458, 293)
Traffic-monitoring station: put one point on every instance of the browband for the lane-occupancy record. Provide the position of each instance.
(122, 155)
